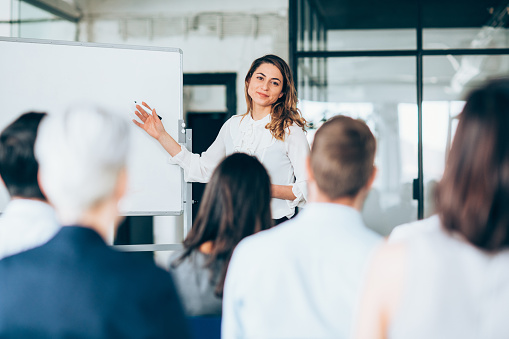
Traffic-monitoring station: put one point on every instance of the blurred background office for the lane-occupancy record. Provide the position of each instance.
(403, 66)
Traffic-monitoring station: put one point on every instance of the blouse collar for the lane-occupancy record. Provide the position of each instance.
(264, 121)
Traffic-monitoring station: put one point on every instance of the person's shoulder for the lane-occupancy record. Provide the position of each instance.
(295, 134)
(178, 265)
(144, 280)
(15, 261)
(174, 256)
(234, 123)
(265, 241)
(415, 229)
(130, 271)
(34, 260)
(296, 130)
(134, 265)
(235, 119)
(371, 237)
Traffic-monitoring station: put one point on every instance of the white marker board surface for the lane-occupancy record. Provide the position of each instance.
(50, 76)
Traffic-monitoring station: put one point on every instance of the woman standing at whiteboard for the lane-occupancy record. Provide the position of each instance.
(272, 129)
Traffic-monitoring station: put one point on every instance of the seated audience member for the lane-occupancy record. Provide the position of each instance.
(301, 279)
(236, 204)
(75, 286)
(28, 220)
(447, 276)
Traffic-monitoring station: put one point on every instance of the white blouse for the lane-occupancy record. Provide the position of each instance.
(284, 160)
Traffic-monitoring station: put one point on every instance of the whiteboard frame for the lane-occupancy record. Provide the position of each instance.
(185, 190)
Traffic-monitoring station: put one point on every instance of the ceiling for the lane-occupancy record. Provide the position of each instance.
(376, 14)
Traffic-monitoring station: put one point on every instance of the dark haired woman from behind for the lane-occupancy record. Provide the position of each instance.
(236, 204)
(448, 276)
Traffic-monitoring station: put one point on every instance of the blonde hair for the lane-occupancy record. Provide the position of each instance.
(284, 111)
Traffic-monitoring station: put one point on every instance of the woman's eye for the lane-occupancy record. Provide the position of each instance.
(259, 78)
(275, 83)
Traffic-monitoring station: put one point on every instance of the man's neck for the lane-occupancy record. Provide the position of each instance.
(100, 218)
(320, 197)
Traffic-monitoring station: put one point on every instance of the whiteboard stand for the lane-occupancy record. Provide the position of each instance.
(188, 189)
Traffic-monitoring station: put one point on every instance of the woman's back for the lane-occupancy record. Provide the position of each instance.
(452, 289)
(195, 284)
(235, 204)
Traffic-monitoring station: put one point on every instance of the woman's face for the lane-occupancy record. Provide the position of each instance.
(266, 85)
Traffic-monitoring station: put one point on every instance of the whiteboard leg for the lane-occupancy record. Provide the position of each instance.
(188, 209)
(188, 203)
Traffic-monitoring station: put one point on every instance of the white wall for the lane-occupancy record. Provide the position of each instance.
(215, 36)
(5, 15)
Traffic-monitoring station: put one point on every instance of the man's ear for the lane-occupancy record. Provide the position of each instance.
(372, 178)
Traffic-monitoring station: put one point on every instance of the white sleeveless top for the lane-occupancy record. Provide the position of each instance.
(453, 289)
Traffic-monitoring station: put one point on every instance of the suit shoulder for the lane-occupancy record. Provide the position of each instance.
(138, 265)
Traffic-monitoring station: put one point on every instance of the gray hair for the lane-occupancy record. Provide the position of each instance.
(81, 154)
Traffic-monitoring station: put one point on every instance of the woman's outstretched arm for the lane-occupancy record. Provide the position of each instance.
(197, 168)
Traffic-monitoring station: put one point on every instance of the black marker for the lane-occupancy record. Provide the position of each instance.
(160, 117)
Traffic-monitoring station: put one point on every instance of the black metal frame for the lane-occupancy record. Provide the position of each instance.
(227, 79)
(419, 53)
(68, 12)
(419, 187)
(196, 79)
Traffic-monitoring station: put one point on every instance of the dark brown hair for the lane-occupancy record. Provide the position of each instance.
(473, 196)
(235, 204)
(284, 111)
(342, 156)
(18, 166)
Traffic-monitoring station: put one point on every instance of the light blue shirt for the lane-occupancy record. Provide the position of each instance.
(300, 279)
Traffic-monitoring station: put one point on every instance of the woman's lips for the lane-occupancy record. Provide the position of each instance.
(262, 95)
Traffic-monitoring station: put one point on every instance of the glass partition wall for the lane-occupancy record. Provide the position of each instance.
(37, 19)
(403, 66)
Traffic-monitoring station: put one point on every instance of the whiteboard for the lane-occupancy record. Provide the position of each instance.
(50, 76)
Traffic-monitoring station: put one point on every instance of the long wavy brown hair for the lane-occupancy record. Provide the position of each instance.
(284, 111)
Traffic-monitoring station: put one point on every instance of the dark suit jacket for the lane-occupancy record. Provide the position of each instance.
(75, 286)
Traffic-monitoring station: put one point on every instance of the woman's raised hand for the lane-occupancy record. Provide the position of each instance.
(150, 122)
